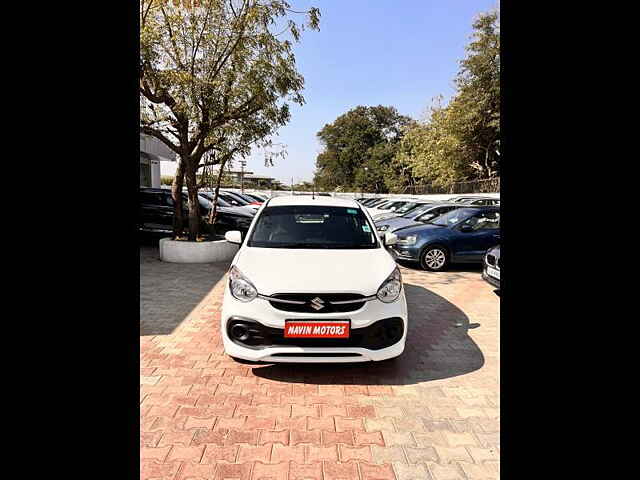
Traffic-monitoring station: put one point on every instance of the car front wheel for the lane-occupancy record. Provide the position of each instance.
(434, 258)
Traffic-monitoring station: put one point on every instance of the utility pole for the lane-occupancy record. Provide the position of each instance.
(242, 165)
(291, 185)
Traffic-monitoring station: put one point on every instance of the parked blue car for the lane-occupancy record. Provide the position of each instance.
(459, 236)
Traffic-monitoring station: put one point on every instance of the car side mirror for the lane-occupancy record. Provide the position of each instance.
(233, 236)
(466, 228)
(390, 238)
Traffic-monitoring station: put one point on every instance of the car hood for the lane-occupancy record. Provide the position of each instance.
(422, 228)
(384, 216)
(398, 222)
(281, 270)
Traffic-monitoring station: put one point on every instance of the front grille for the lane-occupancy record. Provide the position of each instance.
(381, 334)
(325, 302)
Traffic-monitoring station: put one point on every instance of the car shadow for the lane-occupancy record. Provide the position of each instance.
(454, 267)
(169, 292)
(437, 347)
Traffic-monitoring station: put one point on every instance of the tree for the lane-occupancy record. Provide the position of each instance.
(461, 141)
(476, 108)
(362, 137)
(215, 76)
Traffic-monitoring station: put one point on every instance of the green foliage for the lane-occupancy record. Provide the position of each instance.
(461, 141)
(216, 78)
(166, 179)
(358, 149)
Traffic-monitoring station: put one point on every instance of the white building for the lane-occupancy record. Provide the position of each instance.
(152, 152)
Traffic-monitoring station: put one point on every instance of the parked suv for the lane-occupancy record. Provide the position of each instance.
(312, 282)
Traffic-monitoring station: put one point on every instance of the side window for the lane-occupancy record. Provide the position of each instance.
(153, 198)
(484, 221)
(425, 217)
(147, 198)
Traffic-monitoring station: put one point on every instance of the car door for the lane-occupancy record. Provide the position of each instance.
(150, 211)
(470, 245)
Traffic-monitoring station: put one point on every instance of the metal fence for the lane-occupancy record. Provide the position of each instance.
(489, 185)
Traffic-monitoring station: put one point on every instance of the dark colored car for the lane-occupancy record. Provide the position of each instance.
(462, 235)
(420, 215)
(491, 270)
(255, 197)
(156, 213)
(235, 196)
(248, 198)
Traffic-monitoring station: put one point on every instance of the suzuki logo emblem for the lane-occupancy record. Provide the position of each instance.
(317, 303)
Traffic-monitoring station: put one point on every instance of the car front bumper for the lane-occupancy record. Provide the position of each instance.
(409, 253)
(489, 279)
(271, 319)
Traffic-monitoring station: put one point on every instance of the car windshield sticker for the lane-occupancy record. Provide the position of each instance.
(365, 228)
(352, 211)
(310, 218)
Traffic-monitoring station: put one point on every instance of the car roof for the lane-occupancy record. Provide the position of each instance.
(309, 200)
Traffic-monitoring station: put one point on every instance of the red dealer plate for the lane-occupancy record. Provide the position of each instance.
(316, 329)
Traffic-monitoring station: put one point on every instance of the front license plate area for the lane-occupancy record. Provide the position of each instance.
(317, 328)
(493, 272)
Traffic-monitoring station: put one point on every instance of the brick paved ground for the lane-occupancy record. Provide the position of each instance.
(434, 413)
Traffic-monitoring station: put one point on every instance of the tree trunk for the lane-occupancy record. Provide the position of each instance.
(176, 194)
(214, 210)
(194, 204)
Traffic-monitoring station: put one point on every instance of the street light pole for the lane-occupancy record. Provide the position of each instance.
(242, 165)
(366, 175)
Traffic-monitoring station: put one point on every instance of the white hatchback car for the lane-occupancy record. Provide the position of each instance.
(312, 282)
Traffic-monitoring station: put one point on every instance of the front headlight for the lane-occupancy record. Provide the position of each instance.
(241, 287)
(410, 240)
(390, 289)
(382, 228)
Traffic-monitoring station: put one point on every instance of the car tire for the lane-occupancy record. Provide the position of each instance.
(434, 258)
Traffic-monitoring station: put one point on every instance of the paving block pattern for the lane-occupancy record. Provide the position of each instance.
(432, 414)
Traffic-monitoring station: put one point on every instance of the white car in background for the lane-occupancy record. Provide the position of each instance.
(390, 206)
(403, 210)
(312, 282)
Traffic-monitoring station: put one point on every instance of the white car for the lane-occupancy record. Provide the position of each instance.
(390, 206)
(312, 282)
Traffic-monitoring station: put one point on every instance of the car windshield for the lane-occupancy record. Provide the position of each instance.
(454, 216)
(229, 197)
(209, 196)
(313, 226)
(254, 197)
(407, 207)
(417, 211)
(391, 205)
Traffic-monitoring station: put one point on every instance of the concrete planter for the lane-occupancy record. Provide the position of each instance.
(196, 252)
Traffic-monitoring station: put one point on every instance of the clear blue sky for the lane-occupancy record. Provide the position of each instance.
(370, 52)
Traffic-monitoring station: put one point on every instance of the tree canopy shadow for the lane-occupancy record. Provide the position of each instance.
(169, 292)
(437, 347)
